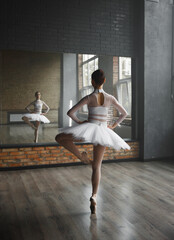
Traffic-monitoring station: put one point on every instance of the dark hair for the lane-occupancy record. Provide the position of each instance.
(36, 93)
(98, 76)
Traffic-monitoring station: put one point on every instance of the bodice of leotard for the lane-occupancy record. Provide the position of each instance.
(38, 105)
(96, 112)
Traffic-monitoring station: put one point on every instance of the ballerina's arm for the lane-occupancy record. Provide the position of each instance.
(121, 109)
(71, 112)
(48, 108)
(29, 105)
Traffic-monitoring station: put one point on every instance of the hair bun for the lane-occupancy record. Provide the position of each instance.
(98, 76)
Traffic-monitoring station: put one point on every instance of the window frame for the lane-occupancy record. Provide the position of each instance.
(87, 62)
(123, 81)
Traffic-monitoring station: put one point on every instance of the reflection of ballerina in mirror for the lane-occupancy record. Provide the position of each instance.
(94, 130)
(37, 115)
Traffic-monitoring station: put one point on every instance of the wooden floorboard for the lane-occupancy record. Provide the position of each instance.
(135, 202)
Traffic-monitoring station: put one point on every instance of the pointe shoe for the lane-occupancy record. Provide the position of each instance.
(32, 125)
(85, 158)
(93, 205)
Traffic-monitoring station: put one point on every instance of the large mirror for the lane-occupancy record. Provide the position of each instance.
(62, 79)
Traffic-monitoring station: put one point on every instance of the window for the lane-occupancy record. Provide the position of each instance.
(118, 72)
(124, 87)
(124, 68)
(88, 65)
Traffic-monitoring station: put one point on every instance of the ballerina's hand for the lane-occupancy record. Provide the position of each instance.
(113, 126)
(83, 121)
(109, 126)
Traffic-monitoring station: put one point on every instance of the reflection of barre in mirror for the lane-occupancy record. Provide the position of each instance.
(95, 130)
(37, 115)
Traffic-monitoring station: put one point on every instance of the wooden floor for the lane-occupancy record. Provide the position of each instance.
(135, 201)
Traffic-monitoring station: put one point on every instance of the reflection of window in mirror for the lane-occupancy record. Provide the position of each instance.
(87, 64)
(118, 76)
(124, 93)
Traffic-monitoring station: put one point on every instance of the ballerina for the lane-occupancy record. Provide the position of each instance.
(37, 115)
(95, 130)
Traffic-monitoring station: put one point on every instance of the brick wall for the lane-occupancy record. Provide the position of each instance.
(101, 26)
(47, 155)
(24, 73)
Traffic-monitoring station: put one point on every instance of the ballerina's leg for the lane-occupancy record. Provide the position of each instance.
(66, 140)
(26, 120)
(98, 152)
(36, 132)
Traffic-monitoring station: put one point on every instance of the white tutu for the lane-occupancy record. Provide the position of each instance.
(36, 117)
(96, 134)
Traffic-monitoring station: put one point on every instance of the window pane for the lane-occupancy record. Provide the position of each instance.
(88, 68)
(124, 67)
(85, 74)
(87, 56)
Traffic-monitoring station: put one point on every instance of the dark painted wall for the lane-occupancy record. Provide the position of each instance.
(100, 26)
(158, 107)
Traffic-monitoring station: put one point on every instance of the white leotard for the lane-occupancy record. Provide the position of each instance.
(97, 112)
(38, 104)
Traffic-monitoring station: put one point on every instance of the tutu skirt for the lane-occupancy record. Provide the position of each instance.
(36, 117)
(96, 133)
